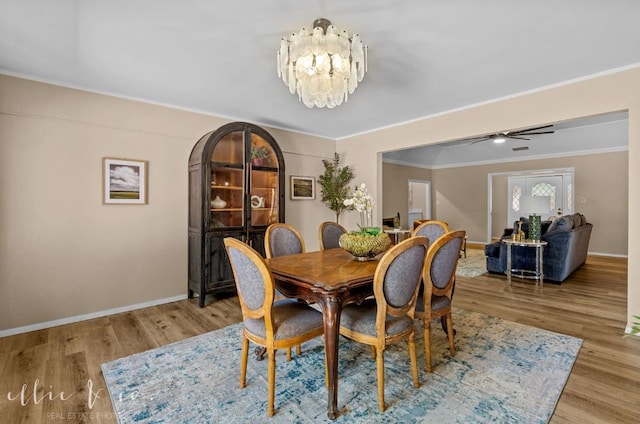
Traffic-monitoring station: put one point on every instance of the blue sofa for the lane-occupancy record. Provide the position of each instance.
(568, 243)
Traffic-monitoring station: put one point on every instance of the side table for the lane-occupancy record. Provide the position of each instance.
(538, 273)
(396, 233)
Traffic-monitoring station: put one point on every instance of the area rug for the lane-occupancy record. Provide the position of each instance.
(502, 372)
(473, 265)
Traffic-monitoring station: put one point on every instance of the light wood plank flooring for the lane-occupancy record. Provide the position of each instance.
(62, 364)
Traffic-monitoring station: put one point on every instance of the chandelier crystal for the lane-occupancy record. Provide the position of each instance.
(323, 66)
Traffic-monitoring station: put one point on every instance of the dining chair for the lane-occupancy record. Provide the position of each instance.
(329, 235)
(431, 229)
(438, 279)
(268, 323)
(388, 317)
(282, 239)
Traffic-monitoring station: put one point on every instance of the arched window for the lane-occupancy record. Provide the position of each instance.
(545, 189)
(516, 194)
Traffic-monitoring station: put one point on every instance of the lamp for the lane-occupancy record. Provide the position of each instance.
(499, 139)
(323, 66)
(535, 205)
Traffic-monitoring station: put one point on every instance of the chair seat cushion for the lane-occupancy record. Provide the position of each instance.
(291, 318)
(437, 303)
(362, 319)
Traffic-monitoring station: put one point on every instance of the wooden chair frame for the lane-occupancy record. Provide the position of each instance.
(380, 341)
(322, 228)
(267, 237)
(428, 222)
(431, 290)
(264, 311)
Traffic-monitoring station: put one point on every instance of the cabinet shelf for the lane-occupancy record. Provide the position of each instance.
(226, 209)
(224, 187)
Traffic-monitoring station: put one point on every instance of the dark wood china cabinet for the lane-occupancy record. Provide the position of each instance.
(236, 189)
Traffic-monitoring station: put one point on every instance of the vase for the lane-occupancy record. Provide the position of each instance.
(364, 247)
(535, 227)
(218, 203)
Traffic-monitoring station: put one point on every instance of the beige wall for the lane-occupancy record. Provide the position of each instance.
(461, 196)
(62, 252)
(603, 94)
(395, 187)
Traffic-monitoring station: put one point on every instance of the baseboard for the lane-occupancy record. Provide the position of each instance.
(608, 255)
(78, 318)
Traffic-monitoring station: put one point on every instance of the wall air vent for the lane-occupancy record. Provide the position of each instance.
(517, 149)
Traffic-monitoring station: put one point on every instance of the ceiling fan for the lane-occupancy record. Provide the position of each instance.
(516, 135)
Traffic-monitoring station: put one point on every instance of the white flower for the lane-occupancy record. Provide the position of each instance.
(362, 202)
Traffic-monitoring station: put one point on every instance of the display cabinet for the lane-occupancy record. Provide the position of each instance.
(236, 189)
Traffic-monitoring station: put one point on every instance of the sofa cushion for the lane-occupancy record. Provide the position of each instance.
(577, 220)
(583, 219)
(564, 223)
(492, 250)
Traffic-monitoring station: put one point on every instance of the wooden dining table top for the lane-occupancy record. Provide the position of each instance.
(329, 269)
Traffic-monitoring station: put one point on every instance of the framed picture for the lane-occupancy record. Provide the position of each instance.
(124, 181)
(303, 188)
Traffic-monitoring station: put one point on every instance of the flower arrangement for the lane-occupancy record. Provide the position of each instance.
(362, 202)
(369, 241)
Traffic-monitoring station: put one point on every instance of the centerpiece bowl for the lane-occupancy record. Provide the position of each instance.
(365, 244)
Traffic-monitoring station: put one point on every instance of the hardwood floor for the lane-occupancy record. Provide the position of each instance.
(53, 375)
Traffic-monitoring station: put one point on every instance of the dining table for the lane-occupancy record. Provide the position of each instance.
(331, 278)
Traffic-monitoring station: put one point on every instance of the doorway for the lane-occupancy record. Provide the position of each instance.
(419, 206)
(506, 192)
(545, 195)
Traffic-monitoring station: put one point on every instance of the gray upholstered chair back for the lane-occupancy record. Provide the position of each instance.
(249, 280)
(431, 230)
(403, 276)
(330, 233)
(283, 239)
(445, 261)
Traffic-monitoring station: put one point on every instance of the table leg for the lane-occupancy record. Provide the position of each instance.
(508, 263)
(539, 265)
(331, 315)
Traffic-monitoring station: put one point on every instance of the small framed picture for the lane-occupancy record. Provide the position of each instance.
(124, 181)
(303, 188)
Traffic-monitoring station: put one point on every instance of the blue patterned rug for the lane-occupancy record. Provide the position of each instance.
(503, 372)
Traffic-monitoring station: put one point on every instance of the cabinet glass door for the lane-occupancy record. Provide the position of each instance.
(227, 181)
(263, 188)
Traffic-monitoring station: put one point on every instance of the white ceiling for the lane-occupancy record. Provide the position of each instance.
(425, 56)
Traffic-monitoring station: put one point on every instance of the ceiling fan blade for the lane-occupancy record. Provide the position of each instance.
(480, 140)
(530, 129)
(518, 137)
(533, 133)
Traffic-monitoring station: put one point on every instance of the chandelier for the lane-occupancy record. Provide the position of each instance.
(323, 66)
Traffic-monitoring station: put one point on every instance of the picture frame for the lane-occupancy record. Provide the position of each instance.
(124, 181)
(303, 188)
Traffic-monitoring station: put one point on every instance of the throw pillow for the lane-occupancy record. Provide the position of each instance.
(577, 221)
(563, 223)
